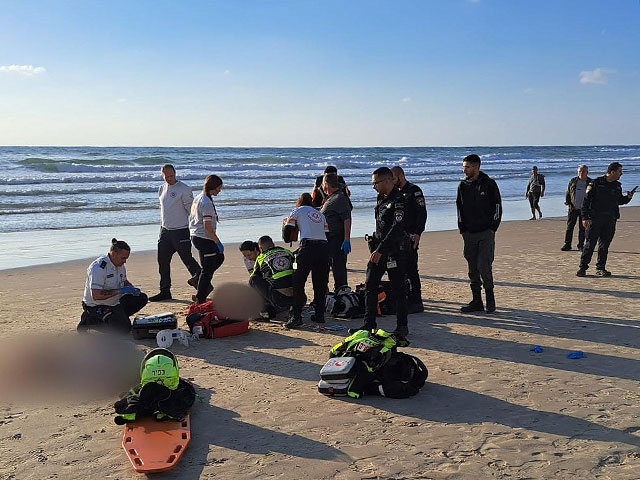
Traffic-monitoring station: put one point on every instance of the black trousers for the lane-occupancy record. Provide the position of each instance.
(210, 259)
(479, 250)
(337, 261)
(103, 317)
(395, 265)
(574, 215)
(313, 258)
(271, 297)
(170, 242)
(534, 199)
(415, 295)
(602, 230)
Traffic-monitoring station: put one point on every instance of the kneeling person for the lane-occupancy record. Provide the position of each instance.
(109, 298)
(272, 276)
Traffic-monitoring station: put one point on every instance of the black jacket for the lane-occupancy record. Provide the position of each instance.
(416, 208)
(603, 198)
(391, 222)
(570, 195)
(479, 205)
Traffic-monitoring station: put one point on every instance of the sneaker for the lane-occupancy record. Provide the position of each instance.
(193, 281)
(194, 297)
(164, 295)
(473, 306)
(566, 248)
(369, 328)
(603, 273)
(581, 273)
(293, 322)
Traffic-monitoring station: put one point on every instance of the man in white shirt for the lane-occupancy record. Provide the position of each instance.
(175, 204)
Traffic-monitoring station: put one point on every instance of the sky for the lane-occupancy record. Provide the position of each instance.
(319, 73)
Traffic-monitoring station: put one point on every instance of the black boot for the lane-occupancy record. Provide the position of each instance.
(491, 300)
(476, 304)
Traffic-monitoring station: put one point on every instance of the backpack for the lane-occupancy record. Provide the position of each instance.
(212, 323)
(402, 376)
(345, 303)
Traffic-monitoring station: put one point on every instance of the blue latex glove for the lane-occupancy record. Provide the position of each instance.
(128, 289)
(346, 247)
(220, 247)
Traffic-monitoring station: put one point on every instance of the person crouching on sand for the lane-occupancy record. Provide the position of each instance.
(203, 222)
(109, 298)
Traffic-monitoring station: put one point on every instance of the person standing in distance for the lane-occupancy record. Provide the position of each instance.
(600, 212)
(109, 297)
(318, 196)
(175, 204)
(535, 190)
(389, 248)
(479, 208)
(337, 211)
(573, 200)
(203, 222)
(416, 221)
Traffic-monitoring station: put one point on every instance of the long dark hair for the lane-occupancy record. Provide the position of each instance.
(304, 200)
(211, 183)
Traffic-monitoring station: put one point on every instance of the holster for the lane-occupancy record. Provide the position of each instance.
(372, 242)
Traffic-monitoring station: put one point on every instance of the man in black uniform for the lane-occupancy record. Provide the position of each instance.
(388, 251)
(416, 221)
(479, 213)
(318, 196)
(600, 213)
(272, 276)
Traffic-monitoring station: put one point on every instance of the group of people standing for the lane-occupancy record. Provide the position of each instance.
(322, 221)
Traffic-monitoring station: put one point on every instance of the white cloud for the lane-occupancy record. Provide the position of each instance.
(599, 76)
(227, 72)
(529, 91)
(406, 99)
(27, 70)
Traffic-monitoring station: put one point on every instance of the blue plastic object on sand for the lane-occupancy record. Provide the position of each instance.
(577, 354)
(537, 349)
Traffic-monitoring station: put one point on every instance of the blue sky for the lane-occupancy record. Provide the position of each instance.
(322, 73)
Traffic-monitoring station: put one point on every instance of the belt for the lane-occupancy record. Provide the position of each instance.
(304, 241)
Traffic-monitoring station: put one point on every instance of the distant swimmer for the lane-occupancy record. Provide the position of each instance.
(175, 204)
(535, 190)
(203, 223)
(250, 251)
(479, 214)
(600, 212)
(109, 297)
(574, 198)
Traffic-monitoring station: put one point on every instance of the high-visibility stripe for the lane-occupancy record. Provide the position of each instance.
(284, 273)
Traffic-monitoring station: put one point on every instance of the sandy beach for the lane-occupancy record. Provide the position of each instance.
(491, 408)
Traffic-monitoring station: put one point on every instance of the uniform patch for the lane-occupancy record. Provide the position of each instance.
(399, 215)
(316, 217)
(103, 264)
(417, 194)
(110, 275)
(420, 201)
(281, 264)
(173, 194)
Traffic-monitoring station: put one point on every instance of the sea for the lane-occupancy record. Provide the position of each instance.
(66, 203)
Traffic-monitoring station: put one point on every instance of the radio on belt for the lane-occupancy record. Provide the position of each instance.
(149, 326)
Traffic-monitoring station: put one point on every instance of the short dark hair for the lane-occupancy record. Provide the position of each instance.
(248, 245)
(383, 172)
(265, 241)
(473, 158)
(397, 169)
(167, 166)
(330, 169)
(613, 166)
(534, 168)
(332, 180)
(117, 245)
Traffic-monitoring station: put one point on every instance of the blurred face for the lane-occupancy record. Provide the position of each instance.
(216, 190)
(169, 175)
(325, 187)
(582, 173)
(119, 258)
(534, 170)
(470, 170)
(250, 254)
(382, 185)
(616, 174)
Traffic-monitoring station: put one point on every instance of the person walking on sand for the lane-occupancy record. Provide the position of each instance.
(600, 212)
(574, 198)
(479, 208)
(535, 191)
(203, 222)
(175, 204)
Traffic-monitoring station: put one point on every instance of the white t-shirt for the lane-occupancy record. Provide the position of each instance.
(249, 264)
(202, 209)
(310, 222)
(175, 205)
(104, 275)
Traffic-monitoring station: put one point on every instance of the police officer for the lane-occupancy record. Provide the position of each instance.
(272, 276)
(109, 298)
(416, 221)
(479, 208)
(389, 248)
(600, 213)
(175, 204)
